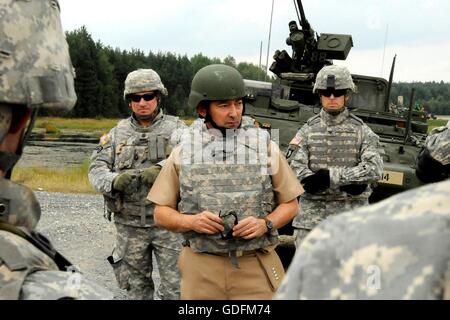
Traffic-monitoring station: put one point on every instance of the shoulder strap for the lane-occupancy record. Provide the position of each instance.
(40, 242)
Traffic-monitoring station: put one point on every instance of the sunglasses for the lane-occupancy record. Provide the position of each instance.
(230, 215)
(336, 93)
(147, 97)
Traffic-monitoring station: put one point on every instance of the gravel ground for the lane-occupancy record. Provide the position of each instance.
(75, 225)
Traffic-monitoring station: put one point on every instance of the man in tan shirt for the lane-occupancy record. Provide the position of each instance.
(227, 188)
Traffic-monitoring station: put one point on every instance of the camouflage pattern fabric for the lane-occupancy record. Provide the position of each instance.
(133, 261)
(132, 148)
(342, 78)
(398, 248)
(349, 149)
(26, 273)
(20, 206)
(321, 210)
(54, 285)
(143, 80)
(225, 175)
(35, 68)
(438, 144)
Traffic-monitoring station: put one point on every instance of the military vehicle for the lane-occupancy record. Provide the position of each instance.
(289, 102)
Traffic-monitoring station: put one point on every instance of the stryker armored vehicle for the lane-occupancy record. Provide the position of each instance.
(289, 102)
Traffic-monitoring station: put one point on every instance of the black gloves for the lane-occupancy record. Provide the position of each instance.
(121, 182)
(430, 170)
(319, 181)
(354, 189)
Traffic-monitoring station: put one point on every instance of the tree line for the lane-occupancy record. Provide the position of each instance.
(101, 71)
(433, 97)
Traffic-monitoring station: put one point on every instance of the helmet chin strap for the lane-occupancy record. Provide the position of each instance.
(223, 131)
(9, 159)
(209, 119)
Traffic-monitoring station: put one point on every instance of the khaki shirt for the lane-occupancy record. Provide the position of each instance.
(166, 189)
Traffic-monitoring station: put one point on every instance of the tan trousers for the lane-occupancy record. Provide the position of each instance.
(210, 277)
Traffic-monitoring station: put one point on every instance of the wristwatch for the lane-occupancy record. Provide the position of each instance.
(269, 224)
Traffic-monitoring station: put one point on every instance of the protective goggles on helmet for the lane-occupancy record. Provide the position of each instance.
(336, 93)
(147, 97)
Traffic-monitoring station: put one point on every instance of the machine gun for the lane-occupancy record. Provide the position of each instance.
(310, 52)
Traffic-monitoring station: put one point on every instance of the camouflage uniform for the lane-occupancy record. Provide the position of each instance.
(132, 148)
(433, 162)
(341, 143)
(348, 148)
(396, 249)
(35, 71)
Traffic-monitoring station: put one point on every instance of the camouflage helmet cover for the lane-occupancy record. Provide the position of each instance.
(216, 82)
(336, 77)
(35, 66)
(142, 80)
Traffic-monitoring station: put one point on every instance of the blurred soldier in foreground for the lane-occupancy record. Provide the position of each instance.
(433, 162)
(396, 249)
(35, 72)
(227, 188)
(123, 168)
(337, 155)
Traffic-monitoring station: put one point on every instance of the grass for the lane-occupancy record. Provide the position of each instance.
(83, 124)
(436, 123)
(69, 180)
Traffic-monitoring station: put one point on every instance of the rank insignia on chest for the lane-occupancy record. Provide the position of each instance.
(104, 139)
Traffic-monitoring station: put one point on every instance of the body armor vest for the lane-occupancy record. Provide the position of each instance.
(333, 141)
(334, 144)
(226, 176)
(137, 148)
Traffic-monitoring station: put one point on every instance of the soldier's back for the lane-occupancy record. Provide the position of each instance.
(396, 249)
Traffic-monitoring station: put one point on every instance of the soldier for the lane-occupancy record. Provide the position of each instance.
(336, 158)
(123, 168)
(227, 188)
(396, 249)
(433, 164)
(35, 72)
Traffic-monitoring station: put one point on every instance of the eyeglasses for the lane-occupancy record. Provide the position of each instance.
(336, 93)
(147, 97)
(227, 217)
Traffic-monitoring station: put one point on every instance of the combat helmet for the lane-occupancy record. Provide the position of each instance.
(142, 80)
(335, 77)
(35, 66)
(216, 82)
(35, 72)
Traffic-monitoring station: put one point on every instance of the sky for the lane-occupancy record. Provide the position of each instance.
(418, 31)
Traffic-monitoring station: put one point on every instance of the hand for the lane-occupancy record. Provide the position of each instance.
(354, 189)
(319, 181)
(150, 174)
(206, 222)
(250, 228)
(121, 182)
